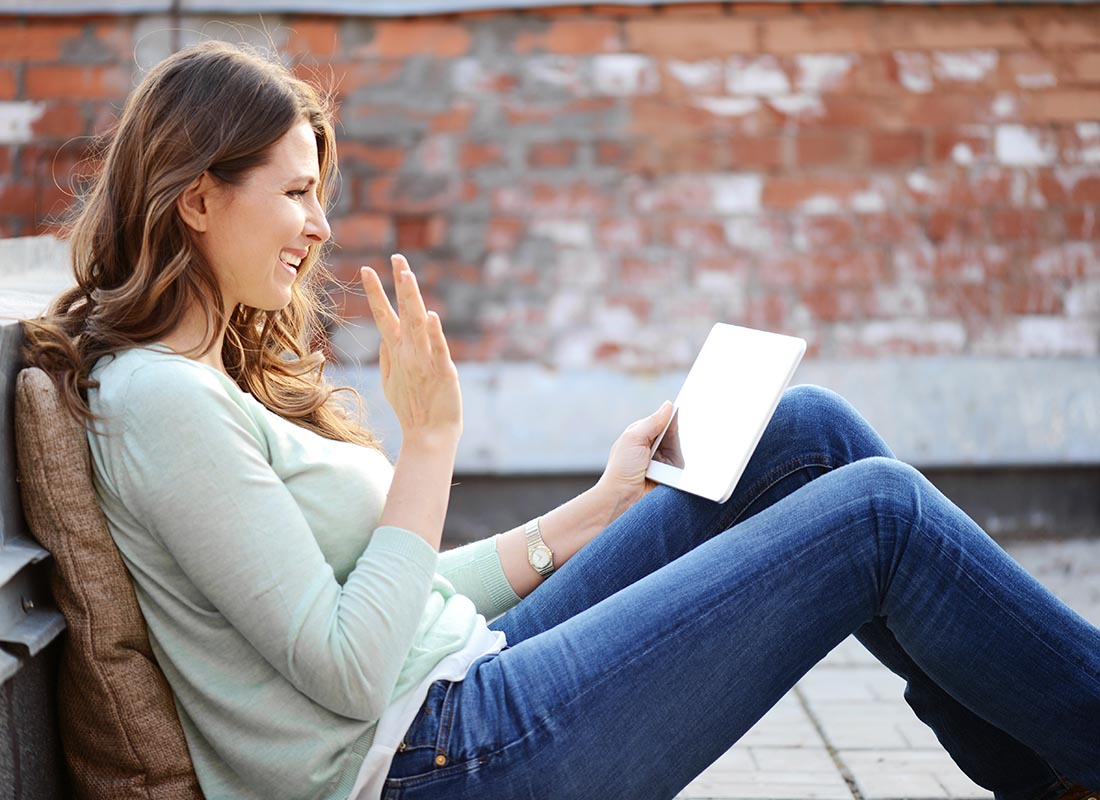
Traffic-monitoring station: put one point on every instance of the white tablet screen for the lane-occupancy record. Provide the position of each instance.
(720, 413)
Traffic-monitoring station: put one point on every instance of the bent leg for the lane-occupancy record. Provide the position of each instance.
(636, 695)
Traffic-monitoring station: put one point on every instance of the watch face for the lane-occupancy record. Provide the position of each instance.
(540, 557)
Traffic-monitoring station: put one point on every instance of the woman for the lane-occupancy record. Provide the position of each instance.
(319, 645)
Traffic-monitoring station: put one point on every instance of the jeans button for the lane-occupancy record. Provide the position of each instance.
(441, 760)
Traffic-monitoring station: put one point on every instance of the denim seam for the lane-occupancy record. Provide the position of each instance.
(777, 474)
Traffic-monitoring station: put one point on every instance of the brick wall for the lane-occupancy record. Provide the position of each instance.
(592, 186)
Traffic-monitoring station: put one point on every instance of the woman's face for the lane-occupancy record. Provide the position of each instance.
(260, 230)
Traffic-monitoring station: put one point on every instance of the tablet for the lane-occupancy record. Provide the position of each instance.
(726, 401)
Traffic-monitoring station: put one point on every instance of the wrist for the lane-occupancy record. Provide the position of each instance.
(614, 498)
(437, 441)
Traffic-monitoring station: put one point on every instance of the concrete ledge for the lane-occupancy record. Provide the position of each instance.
(934, 412)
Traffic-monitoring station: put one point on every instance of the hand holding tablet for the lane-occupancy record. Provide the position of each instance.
(721, 412)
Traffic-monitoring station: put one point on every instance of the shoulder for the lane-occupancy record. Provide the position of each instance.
(138, 381)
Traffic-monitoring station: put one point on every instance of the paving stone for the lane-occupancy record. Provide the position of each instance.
(909, 775)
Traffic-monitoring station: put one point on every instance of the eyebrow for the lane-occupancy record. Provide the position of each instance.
(309, 180)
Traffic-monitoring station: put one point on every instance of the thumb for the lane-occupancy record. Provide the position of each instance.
(659, 417)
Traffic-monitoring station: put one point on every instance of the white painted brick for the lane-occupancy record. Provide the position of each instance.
(727, 106)
(700, 76)
(962, 154)
(564, 232)
(821, 204)
(798, 105)
(821, 72)
(1019, 146)
(737, 194)
(624, 75)
(965, 65)
(1005, 106)
(756, 76)
(17, 120)
(1089, 135)
(746, 233)
(555, 72)
(914, 71)
(1036, 336)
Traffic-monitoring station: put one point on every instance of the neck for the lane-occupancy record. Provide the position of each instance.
(188, 336)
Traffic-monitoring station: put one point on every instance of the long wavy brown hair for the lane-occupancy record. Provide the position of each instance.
(214, 108)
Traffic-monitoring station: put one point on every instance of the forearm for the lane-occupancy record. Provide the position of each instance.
(565, 530)
(421, 487)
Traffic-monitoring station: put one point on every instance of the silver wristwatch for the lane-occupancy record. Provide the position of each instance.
(539, 556)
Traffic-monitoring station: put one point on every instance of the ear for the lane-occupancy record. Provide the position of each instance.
(194, 204)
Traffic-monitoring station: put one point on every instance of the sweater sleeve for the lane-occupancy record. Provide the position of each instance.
(191, 467)
(475, 571)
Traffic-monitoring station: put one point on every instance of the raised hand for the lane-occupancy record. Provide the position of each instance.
(419, 378)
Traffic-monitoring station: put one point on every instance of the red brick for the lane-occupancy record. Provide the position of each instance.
(354, 154)
(76, 82)
(947, 28)
(420, 232)
(419, 37)
(973, 144)
(576, 197)
(454, 120)
(690, 38)
(1007, 224)
(884, 112)
(1029, 70)
(348, 77)
(768, 311)
(116, 37)
(965, 302)
(891, 148)
(611, 153)
(16, 199)
(313, 37)
(1051, 29)
(839, 268)
(504, 233)
(39, 41)
(363, 231)
(664, 154)
(475, 155)
(825, 148)
(755, 153)
(847, 32)
(60, 121)
(1032, 298)
(552, 154)
(1081, 223)
(833, 304)
(942, 110)
(8, 87)
(890, 228)
(791, 191)
(5, 159)
(1086, 66)
(571, 37)
(1075, 105)
(955, 224)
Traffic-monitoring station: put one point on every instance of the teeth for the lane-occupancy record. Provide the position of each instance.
(293, 260)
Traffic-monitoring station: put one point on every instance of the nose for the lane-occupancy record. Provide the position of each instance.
(317, 227)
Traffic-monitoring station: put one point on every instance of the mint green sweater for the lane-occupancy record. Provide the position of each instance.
(284, 619)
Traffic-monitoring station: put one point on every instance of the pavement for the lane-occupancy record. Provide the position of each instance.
(844, 732)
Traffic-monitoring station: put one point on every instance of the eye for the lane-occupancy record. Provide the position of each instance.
(297, 193)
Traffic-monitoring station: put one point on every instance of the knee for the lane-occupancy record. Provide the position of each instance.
(893, 488)
(820, 413)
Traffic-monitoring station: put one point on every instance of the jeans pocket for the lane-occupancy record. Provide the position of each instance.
(426, 753)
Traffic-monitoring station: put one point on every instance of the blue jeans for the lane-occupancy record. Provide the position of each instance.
(658, 645)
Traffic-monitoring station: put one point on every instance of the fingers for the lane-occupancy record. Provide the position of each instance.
(380, 308)
(411, 319)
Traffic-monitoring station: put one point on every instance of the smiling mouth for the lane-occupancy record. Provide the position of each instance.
(291, 261)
